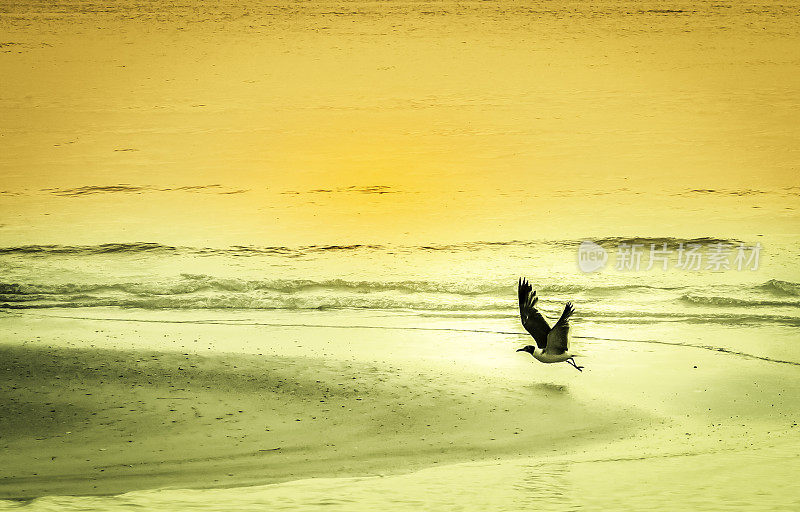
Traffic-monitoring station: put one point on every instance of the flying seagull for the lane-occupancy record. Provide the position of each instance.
(553, 344)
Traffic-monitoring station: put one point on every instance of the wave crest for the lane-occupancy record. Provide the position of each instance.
(778, 287)
(197, 283)
(736, 301)
(310, 250)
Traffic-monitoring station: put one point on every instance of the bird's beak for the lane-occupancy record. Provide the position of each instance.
(520, 350)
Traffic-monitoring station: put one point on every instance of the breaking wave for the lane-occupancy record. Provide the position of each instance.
(735, 301)
(630, 303)
(44, 250)
(658, 241)
(310, 250)
(195, 283)
(781, 288)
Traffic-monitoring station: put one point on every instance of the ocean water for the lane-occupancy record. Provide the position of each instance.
(754, 310)
(411, 123)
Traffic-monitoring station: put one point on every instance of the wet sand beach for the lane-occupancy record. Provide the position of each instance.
(99, 421)
(82, 420)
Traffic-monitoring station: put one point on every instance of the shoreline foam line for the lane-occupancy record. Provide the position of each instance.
(410, 328)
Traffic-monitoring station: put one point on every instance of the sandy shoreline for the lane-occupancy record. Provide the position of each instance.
(95, 407)
(89, 421)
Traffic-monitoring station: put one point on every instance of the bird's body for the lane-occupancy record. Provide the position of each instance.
(552, 344)
(543, 357)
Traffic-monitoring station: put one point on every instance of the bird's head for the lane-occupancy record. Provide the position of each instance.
(527, 348)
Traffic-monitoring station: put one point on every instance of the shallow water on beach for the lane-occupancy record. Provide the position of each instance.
(689, 482)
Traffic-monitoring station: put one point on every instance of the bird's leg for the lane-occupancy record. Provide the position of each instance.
(572, 362)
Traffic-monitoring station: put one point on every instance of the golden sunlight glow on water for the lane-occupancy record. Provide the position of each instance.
(474, 106)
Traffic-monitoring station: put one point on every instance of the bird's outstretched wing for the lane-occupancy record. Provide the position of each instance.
(532, 320)
(557, 339)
